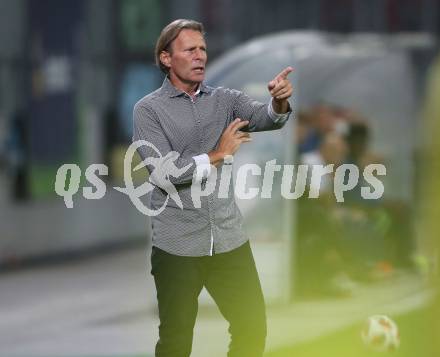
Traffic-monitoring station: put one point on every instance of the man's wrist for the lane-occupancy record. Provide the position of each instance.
(216, 157)
(277, 117)
(280, 106)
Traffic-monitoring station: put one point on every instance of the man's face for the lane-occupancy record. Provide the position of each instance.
(187, 57)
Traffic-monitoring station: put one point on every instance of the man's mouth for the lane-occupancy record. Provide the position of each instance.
(199, 69)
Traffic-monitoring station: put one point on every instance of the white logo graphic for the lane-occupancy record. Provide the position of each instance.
(164, 167)
(164, 171)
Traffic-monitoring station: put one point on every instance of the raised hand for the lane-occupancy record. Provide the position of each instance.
(280, 87)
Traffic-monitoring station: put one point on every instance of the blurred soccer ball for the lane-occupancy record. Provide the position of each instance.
(380, 333)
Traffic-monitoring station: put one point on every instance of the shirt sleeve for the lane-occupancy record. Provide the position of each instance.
(276, 117)
(157, 153)
(261, 116)
(203, 166)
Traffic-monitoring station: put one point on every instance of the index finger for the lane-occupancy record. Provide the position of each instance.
(284, 73)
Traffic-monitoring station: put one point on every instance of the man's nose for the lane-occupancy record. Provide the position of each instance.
(199, 54)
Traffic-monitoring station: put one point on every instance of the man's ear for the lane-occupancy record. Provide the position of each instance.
(165, 58)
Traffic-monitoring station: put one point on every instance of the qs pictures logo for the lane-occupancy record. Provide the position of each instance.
(207, 182)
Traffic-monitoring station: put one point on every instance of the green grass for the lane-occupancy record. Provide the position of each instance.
(417, 339)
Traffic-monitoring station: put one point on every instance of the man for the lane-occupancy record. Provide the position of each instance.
(202, 247)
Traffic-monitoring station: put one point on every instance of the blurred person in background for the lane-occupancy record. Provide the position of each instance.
(202, 247)
(356, 239)
(319, 238)
(358, 139)
(317, 122)
(366, 223)
(332, 150)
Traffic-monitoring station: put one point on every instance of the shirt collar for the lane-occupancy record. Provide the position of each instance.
(168, 88)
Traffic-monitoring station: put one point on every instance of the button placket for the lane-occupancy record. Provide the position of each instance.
(210, 198)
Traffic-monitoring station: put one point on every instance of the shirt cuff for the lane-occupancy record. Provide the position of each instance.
(203, 166)
(278, 118)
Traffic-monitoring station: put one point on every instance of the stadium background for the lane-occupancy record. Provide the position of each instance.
(70, 72)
